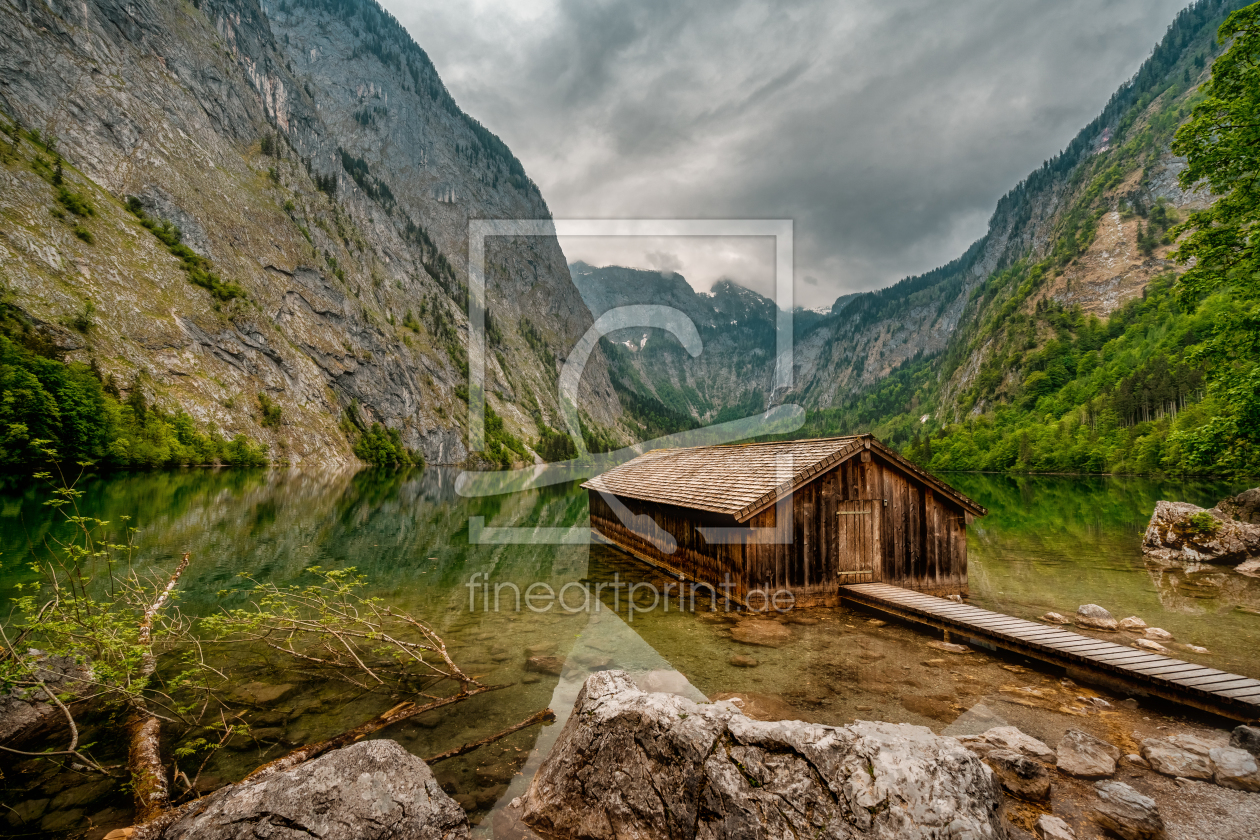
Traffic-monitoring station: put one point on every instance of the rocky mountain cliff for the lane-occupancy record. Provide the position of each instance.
(1083, 231)
(321, 178)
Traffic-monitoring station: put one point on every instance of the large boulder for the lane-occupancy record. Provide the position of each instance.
(26, 711)
(1235, 768)
(660, 767)
(1245, 507)
(1181, 533)
(1092, 615)
(1086, 757)
(372, 790)
(1126, 812)
(1177, 759)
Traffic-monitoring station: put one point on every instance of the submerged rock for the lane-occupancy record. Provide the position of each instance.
(761, 632)
(760, 706)
(1055, 618)
(1092, 615)
(653, 766)
(28, 712)
(1184, 533)
(1128, 813)
(260, 693)
(545, 665)
(1159, 634)
(372, 790)
(1151, 645)
(1084, 756)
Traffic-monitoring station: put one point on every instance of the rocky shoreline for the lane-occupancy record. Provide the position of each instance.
(635, 763)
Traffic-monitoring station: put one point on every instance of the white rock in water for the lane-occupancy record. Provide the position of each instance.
(1132, 623)
(1235, 768)
(658, 766)
(1050, 827)
(1173, 538)
(1158, 634)
(1175, 760)
(1150, 644)
(1084, 756)
(1055, 618)
(1128, 813)
(1092, 615)
(372, 789)
(1198, 649)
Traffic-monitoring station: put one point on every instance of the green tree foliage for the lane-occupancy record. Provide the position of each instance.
(382, 447)
(502, 447)
(377, 445)
(1221, 142)
(68, 408)
(554, 446)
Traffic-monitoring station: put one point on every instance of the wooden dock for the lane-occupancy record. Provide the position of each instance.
(1085, 658)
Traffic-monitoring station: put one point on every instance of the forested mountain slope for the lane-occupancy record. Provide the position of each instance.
(321, 179)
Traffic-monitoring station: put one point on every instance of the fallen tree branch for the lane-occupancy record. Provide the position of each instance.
(544, 716)
(149, 784)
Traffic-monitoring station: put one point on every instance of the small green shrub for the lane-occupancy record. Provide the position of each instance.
(1203, 523)
(84, 234)
(75, 203)
(271, 414)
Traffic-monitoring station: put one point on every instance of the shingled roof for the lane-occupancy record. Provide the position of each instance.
(742, 480)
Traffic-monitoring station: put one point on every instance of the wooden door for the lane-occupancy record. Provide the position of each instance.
(857, 550)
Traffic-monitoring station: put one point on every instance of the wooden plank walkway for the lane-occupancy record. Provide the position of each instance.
(1137, 671)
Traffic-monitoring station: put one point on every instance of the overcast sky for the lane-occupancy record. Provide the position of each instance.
(886, 129)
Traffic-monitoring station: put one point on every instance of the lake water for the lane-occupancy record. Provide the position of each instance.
(1049, 543)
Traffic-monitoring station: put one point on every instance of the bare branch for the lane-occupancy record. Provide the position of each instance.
(544, 716)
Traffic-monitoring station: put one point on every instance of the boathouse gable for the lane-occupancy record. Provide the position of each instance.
(804, 517)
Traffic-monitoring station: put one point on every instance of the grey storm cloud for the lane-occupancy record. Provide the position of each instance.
(886, 129)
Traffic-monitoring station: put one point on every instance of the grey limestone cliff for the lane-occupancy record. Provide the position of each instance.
(310, 151)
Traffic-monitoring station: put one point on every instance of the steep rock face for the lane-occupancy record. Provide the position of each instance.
(312, 154)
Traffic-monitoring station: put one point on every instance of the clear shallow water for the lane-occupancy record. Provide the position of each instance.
(1048, 543)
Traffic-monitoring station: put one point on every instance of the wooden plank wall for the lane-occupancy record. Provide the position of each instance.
(921, 540)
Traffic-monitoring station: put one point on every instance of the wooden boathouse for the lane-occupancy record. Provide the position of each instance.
(806, 516)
